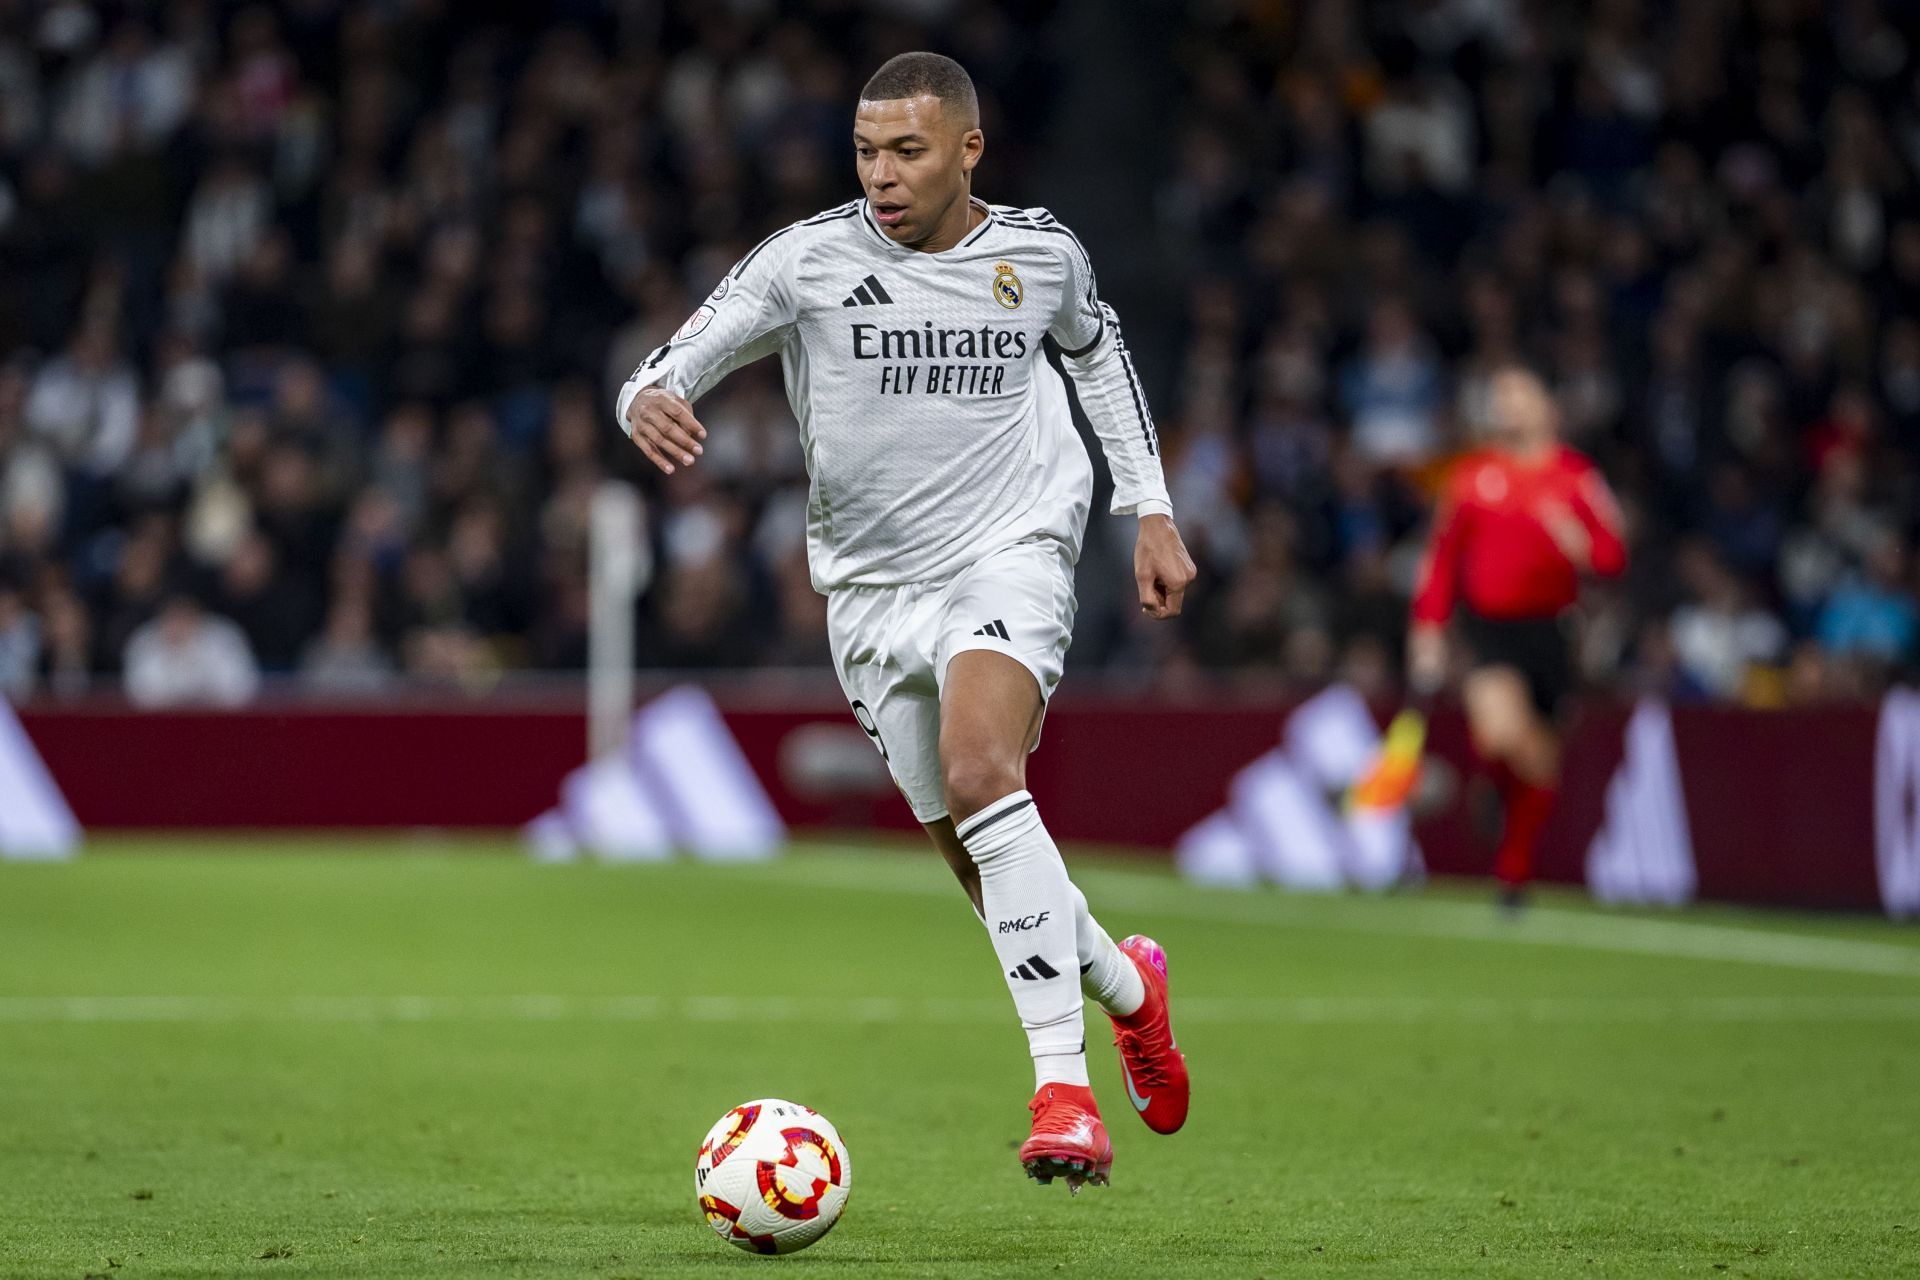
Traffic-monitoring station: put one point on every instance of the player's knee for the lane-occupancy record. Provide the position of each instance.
(1492, 729)
(973, 781)
(1496, 715)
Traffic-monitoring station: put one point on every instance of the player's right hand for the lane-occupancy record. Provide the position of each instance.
(664, 427)
(1426, 657)
(1162, 569)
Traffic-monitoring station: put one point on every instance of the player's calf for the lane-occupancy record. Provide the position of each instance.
(1028, 911)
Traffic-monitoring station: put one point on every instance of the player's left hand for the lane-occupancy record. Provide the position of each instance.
(1162, 569)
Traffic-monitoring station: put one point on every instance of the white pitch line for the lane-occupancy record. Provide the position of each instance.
(1221, 1010)
(1539, 926)
(1632, 935)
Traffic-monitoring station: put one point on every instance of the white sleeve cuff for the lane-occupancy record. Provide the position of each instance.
(1153, 507)
(635, 385)
(625, 401)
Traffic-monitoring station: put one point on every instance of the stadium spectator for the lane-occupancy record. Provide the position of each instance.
(1871, 615)
(186, 656)
(1720, 633)
(66, 665)
(352, 283)
(1391, 392)
(19, 642)
(85, 404)
(276, 609)
(346, 657)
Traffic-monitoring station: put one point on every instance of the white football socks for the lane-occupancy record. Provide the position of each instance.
(1030, 915)
(1107, 976)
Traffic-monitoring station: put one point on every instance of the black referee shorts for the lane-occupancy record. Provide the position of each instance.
(1538, 648)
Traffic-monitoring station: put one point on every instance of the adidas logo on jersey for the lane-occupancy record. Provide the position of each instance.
(996, 628)
(867, 293)
(1034, 970)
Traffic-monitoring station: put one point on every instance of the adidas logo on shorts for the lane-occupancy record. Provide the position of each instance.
(996, 628)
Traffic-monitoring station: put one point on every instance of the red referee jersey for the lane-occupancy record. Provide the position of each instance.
(1491, 546)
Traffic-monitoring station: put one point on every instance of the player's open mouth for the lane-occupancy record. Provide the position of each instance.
(889, 215)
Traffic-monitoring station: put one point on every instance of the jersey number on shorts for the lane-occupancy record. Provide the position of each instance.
(865, 717)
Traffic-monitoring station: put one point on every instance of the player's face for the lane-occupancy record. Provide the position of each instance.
(1523, 412)
(913, 162)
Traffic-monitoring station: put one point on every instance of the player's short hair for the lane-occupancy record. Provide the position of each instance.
(909, 75)
(1525, 368)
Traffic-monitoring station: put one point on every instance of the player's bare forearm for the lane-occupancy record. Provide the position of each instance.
(663, 426)
(1162, 569)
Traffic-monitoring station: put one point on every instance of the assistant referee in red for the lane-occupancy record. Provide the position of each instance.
(1518, 524)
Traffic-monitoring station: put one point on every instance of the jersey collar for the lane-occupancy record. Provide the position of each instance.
(866, 219)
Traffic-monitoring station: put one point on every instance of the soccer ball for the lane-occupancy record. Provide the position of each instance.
(772, 1176)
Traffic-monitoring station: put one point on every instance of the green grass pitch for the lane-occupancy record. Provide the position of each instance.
(308, 1058)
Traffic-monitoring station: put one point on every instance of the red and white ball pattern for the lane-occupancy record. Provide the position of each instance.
(772, 1176)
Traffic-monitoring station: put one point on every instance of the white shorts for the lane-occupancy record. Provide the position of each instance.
(891, 647)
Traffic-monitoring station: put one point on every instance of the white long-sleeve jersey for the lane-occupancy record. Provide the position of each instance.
(936, 431)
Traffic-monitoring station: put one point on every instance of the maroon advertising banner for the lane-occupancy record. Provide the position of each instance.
(1780, 806)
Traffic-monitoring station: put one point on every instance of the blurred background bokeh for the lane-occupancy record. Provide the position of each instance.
(311, 314)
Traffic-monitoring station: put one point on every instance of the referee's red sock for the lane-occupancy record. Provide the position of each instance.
(1528, 808)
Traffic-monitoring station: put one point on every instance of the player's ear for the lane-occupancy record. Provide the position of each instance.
(973, 144)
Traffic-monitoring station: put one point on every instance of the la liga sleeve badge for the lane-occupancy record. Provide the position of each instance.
(695, 323)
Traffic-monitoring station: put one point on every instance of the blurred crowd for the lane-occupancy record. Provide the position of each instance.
(1699, 219)
(311, 314)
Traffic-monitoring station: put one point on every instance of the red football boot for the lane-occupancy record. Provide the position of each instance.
(1154, 1067)
(1068, 1139)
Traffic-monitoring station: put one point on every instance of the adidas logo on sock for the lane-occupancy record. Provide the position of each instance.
(994, 628)
(1034, 970)
(867, 293)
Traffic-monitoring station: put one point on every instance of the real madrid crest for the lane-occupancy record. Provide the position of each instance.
(1006, 285)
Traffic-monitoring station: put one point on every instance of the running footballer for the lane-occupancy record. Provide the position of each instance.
(949, 495)
(1519, 525)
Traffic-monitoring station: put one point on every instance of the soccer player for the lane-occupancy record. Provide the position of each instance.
(948, 498)
(1517, 526)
